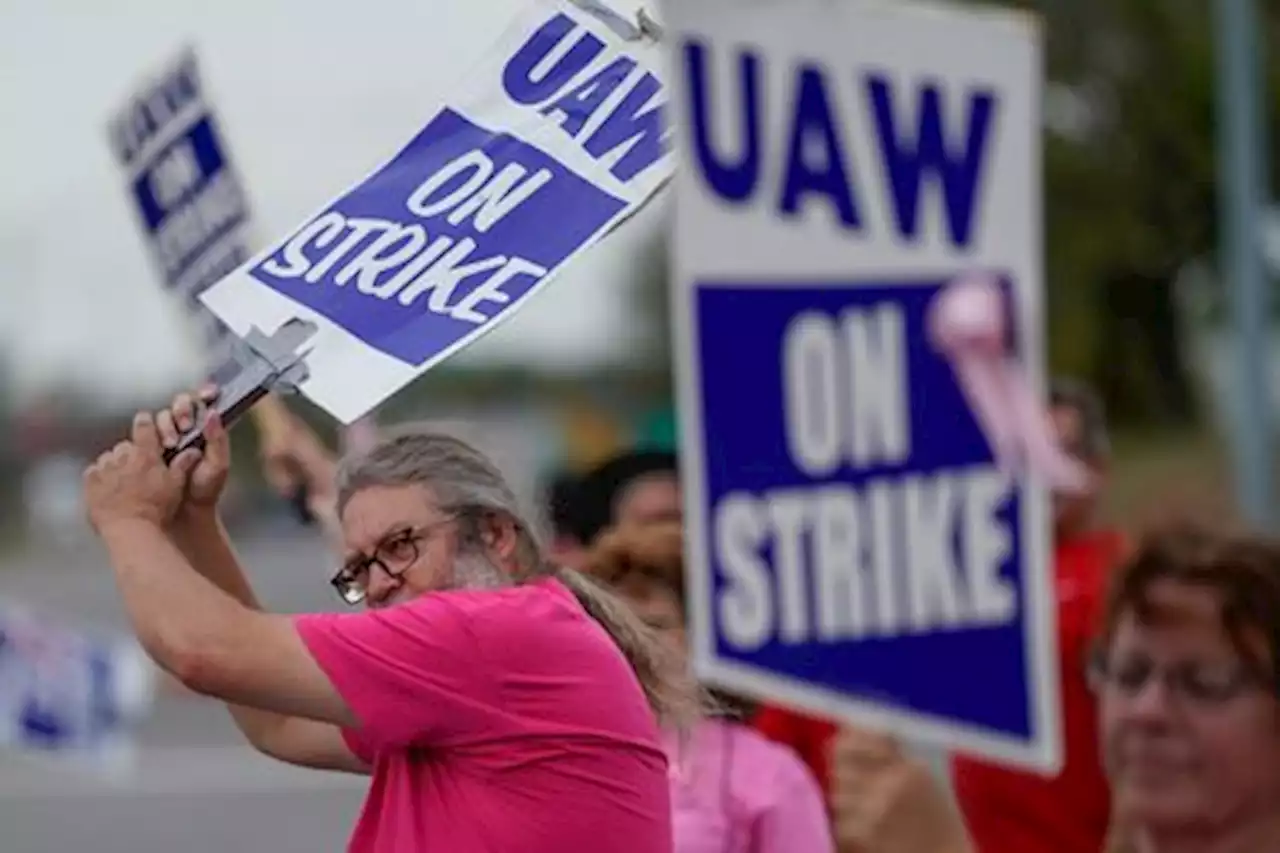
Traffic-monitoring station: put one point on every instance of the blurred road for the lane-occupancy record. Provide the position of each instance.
(195, 788)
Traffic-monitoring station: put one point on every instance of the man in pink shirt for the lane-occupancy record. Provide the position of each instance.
(499, 704)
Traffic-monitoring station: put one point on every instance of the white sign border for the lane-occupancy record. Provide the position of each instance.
(1043, 750)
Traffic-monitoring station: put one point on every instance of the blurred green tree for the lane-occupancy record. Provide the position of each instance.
(1130, 187)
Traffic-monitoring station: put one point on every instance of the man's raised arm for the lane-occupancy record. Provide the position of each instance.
(203, 541)
(199, 535)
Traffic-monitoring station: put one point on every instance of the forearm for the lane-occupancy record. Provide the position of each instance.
(176, 613)
(179, 610)
(204, 542)
(295, 458)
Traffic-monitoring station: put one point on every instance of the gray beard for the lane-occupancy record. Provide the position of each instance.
(476, 571)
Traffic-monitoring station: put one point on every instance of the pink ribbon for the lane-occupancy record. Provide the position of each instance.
(966, 323)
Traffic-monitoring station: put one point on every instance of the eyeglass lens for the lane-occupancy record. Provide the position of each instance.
(393, 556)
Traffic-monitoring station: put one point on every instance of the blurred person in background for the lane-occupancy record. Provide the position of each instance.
(807, 735)
(297, 464)
(565, 548)
(632, 487)
(1009, 811)
(1188, 677)
(732, 790)
(499, 702)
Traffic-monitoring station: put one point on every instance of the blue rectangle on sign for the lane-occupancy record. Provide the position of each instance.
(197, 154)
(885, 568)
(441, 241)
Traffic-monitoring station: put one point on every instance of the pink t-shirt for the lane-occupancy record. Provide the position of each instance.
(495, 721)
(733, 791)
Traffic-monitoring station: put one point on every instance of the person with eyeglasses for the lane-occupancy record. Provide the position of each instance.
(1188, 680)
(497, 701)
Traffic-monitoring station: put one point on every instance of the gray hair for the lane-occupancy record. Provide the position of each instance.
(1080, 397)
(461, 479)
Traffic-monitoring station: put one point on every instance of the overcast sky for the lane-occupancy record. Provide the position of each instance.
(312, 94)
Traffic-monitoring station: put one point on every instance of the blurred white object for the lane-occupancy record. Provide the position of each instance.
(53, 499)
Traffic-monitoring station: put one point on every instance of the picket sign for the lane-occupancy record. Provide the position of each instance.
(857, 277)
(552, 140)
